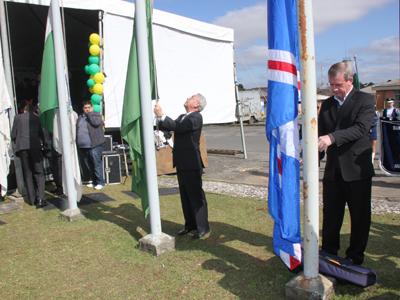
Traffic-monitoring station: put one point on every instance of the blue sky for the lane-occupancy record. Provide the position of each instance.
(367, 29)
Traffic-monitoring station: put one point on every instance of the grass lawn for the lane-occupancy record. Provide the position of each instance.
(43, 257)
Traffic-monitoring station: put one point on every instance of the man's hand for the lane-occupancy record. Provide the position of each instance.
(324, 142)
(158, 110)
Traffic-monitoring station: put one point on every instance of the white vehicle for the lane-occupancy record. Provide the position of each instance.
(252, 111)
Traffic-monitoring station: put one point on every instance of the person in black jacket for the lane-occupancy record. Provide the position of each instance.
(29, 140)
(189, 165)
(344, 122)
(90, 141)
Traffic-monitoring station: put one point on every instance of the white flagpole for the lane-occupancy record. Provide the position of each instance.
(310, 284)
(73, 210)
(310, 138)
(147, 115)
(156, 242)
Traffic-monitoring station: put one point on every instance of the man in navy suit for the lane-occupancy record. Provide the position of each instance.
(189, 165)
(344, 122)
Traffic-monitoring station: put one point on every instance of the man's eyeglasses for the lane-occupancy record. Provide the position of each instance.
(337, 85)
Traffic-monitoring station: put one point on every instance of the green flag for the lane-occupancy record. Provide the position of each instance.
(48, 100)
(356, 82)
(131, 114)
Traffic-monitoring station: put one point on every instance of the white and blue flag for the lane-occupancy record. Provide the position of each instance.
(282, 130)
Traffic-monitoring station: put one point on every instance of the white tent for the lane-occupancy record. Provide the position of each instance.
(191, 56)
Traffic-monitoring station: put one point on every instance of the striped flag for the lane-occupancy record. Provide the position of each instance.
(282, 131)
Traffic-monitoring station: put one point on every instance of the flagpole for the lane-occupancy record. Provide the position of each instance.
(310, 138)
(73, 210)
(156, 242)
(147, 116)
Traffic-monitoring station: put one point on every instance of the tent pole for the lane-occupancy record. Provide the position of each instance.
(240, 112)
(6, 57)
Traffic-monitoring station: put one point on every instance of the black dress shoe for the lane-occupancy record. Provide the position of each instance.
(202, 235)
(355, 261)
(40, 203)
(185, 231)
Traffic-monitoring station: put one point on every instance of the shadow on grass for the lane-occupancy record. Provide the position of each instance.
(383, 246)
(245, 275)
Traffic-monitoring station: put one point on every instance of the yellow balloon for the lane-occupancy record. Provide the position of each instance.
(91, 90)
(99, 77)
(98, 88)
(94, 49)
(94, 38)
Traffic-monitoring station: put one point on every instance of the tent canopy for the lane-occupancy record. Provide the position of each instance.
(191, 56)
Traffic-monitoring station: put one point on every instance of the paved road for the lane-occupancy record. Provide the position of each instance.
(254, 170)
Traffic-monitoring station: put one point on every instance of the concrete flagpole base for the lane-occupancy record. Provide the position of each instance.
(157, 244)
(300, 287)
(71, 215)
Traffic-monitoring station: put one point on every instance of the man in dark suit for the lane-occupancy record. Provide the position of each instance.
(28, 141)
(189, 165)
(344, 122)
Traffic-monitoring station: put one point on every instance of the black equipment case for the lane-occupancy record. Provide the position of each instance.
(112, 168)
(344, 270)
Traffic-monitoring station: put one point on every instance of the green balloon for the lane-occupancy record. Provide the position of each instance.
(97, 108)
(93, 69)
(90, 82)
(94, 59)
(87, 69)
(96, 99)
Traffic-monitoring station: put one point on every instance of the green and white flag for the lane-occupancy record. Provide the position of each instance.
(48, 99)
(48, 106)
(131, 124)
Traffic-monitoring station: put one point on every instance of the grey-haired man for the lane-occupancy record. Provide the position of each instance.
(189, 165)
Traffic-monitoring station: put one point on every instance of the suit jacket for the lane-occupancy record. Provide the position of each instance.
(27, 133)
(186, 151)
(349, 125)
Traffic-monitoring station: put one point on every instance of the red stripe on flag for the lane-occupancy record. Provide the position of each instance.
(294, 262)
(282, 66)
(279, 166)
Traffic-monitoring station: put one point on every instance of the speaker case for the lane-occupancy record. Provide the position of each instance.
(112, 168)
(108, 143)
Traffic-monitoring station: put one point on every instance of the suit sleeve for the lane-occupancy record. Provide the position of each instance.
(361, 125)
(191, 123)
(14, 130)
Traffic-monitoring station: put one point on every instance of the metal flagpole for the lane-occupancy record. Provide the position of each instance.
(73, 209)
(147, 115)
(310, 138)
(156, 242)
(310, 284)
